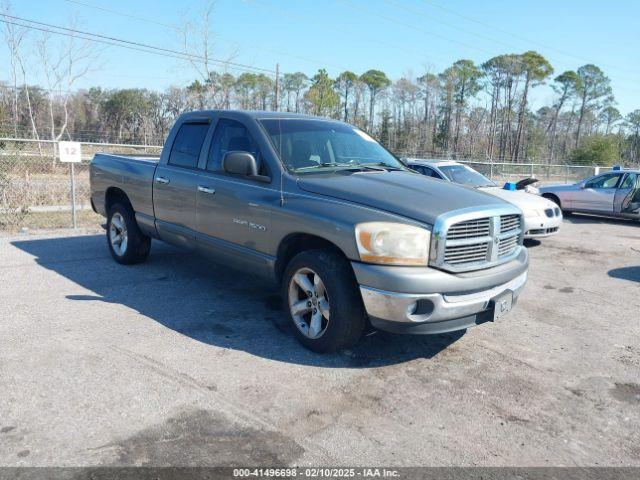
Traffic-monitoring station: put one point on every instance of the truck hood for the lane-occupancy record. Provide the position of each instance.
(407, 194)
(521, 199)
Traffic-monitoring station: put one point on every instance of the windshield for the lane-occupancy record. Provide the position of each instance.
(465, 176)
(316, 145)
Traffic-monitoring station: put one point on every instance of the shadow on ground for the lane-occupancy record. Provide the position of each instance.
(210, 303)
(626, 273)
(532, 243)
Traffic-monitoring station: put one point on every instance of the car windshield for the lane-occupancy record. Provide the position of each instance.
(307, 145)
(465, 176)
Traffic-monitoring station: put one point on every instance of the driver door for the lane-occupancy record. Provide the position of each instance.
(233, 214)
(598, 193)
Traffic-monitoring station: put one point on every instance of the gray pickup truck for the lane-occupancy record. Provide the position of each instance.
(354, 238)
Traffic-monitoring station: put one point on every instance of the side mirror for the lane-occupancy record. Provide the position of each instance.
(242, 163)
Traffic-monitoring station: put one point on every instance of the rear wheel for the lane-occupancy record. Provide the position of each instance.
(322, 301)
(127, 244)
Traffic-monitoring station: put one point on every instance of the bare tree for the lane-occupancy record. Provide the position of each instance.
(15, 37)
(199, 46)
(63, 64)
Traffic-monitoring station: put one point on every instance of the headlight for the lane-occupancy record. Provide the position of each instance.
(393, 243)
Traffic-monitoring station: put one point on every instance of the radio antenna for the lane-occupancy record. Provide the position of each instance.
(281, 161)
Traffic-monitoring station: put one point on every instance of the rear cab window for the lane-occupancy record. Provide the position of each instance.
(186, 147)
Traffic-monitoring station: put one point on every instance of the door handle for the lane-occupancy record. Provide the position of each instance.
(162, 180)
(204, 189)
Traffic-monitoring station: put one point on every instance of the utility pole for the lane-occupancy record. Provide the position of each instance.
(277, 106)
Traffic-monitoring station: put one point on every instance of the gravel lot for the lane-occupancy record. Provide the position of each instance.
(182, 362)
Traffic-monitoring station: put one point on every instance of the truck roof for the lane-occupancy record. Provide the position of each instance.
(258, 114)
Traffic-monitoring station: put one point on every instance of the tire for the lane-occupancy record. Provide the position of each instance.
(336, 299)
(134, 246)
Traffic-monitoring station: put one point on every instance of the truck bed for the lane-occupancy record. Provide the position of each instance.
(131, 173)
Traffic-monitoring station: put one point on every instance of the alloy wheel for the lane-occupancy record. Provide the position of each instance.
(309, 303)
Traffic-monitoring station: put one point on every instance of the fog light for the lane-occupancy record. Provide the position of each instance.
(420, 310)
(411, 308)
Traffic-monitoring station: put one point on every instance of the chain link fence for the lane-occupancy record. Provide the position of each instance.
(501, 171)
(35, 187)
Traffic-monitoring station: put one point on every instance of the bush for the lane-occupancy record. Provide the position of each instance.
(597, 150)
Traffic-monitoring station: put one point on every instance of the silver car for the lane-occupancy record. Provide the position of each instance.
(615, 193)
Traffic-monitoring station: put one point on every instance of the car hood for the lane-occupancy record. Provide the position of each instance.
(521, 199)
(404, 193)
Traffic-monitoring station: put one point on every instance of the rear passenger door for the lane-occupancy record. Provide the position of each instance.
(175, 184)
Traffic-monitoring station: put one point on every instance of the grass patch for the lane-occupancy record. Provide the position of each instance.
(51, 220)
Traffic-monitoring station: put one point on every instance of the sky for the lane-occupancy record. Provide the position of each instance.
(400, 37)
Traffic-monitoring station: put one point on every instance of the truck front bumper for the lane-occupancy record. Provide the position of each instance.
(427, 300)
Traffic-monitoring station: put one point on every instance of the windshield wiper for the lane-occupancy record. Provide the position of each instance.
(386, 166)
(323, 165)
(377, 166)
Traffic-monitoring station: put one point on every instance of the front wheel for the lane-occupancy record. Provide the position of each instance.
(127, 244)
(322, 301)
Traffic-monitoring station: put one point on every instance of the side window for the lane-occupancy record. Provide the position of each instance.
(229, 136)
(608, 180)
(428, 171)
(187, 145)
(432, 173)
(629, 181)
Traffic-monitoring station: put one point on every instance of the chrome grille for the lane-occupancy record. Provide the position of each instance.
(469, 229)
(506, 246)
(509, 223)
(471, 244)
(455, 255)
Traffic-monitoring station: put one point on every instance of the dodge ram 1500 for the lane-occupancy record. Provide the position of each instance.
(353, 237)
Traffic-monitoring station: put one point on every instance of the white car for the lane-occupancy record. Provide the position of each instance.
(542, 217)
